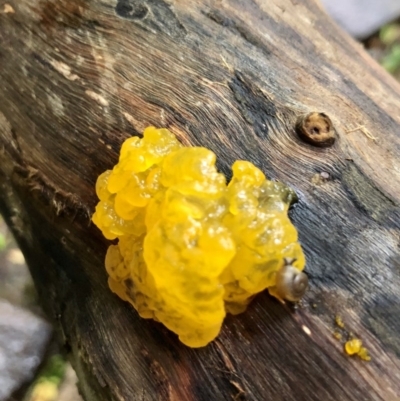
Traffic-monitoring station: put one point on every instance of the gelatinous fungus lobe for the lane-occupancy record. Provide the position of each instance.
(190, 247)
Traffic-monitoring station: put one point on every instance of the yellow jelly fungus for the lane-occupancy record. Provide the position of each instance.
(364, 354)
(337, 335)
(339, 321)
(354, 347)
(190, 247)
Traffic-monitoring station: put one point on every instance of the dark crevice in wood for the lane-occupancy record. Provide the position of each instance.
(157, 15)
(366, 195)
(235, 26)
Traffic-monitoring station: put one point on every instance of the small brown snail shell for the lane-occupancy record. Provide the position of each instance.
(291, 283)
(316, 129)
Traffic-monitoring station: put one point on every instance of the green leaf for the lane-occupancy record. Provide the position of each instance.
(389, 34)
(391, 62)
(3, 242)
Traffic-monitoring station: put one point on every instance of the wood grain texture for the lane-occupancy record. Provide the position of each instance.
(78, 77)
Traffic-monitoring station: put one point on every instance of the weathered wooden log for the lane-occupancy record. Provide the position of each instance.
(78, 77)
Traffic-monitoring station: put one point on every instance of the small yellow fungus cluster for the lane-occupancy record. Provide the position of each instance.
(191, 248)
(355, 347)
(339, 321)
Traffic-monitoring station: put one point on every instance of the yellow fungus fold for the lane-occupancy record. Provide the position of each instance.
(191, 248)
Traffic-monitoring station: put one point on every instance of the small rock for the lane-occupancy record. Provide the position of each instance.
(361, 18)
(23, 340)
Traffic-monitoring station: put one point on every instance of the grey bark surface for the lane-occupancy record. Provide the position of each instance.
(78, 77)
